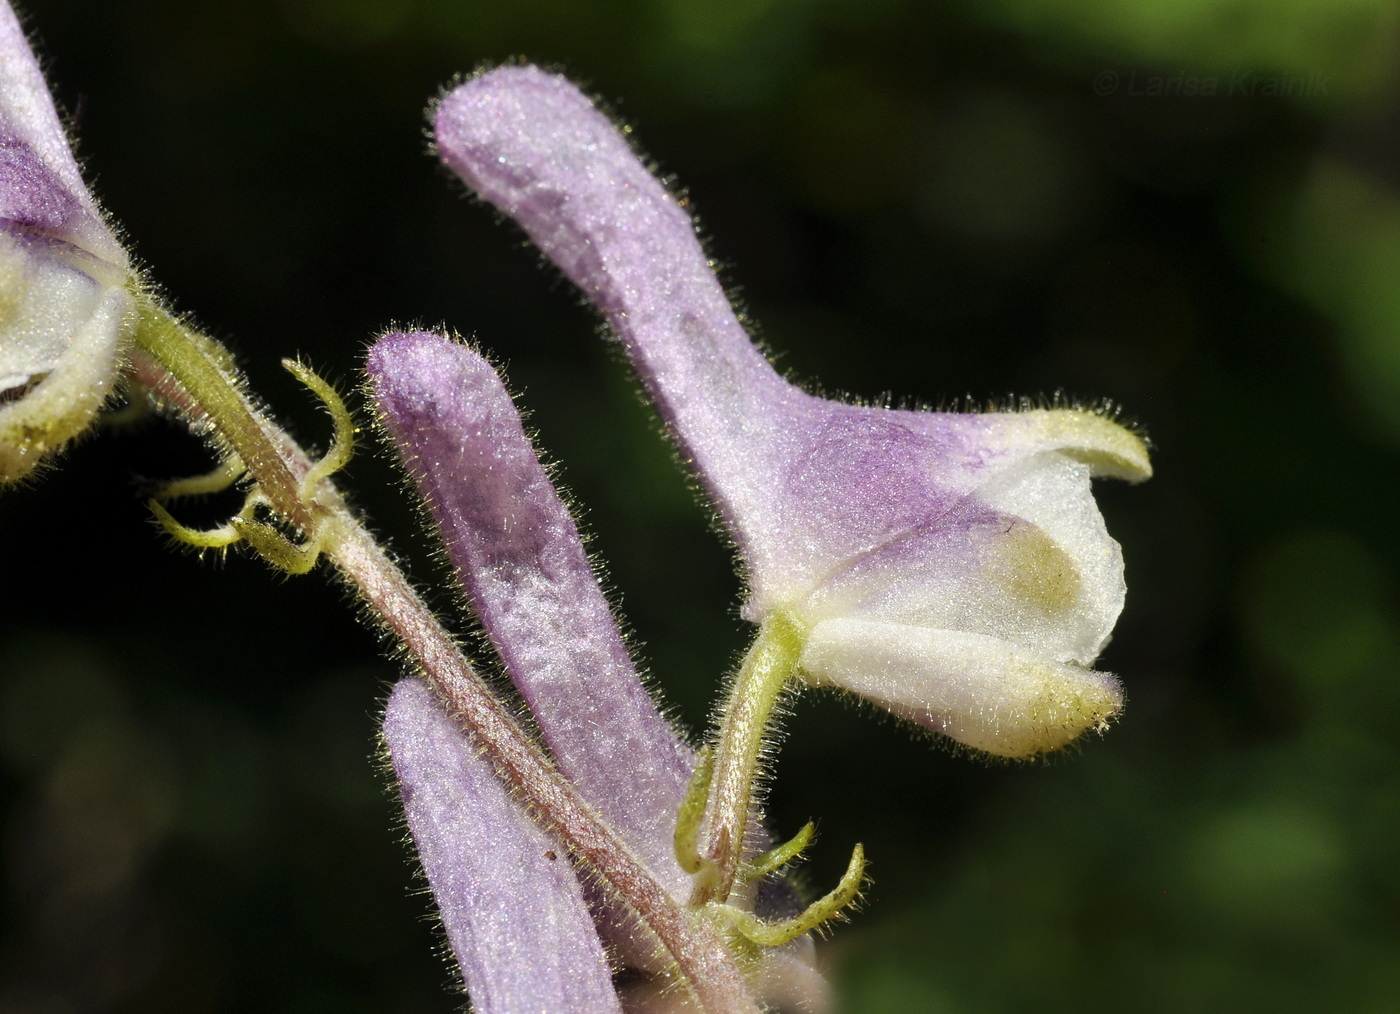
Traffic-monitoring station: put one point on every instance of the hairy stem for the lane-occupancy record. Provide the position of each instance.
(699, 951)
(193, 374)
(210, 392)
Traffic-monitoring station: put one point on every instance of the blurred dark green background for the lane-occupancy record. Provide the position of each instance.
(1192, 208)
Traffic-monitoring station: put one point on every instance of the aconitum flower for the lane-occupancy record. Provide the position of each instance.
(951, 567)
(63, 301)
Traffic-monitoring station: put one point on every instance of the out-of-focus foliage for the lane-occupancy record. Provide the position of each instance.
(1352, 44)
(1192, 208)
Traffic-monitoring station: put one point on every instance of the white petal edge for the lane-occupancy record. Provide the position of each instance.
(988, 694)
(1052, 491)
(75, 385)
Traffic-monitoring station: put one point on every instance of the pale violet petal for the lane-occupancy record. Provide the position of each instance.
(534, 146)
(40, 184)
(510, 902)
(527, 577)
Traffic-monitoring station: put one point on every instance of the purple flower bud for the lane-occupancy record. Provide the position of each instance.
(952, 567)
(62, 274)
(510, 903)
(528, 579)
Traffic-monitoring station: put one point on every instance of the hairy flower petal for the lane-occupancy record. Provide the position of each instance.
(510, 903)
(531, 144)
(523, 566)
(983, 692)
(62, 274)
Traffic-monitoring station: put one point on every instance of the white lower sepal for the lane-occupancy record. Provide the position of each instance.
(61, 337)
(984, 692)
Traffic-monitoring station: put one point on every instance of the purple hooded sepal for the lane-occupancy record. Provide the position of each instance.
(510, 902)
(534, 146)
(805, 484)
(521, 561)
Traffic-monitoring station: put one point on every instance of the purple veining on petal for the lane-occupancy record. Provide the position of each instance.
(850, 482)
(509, 900)
(30, 193)
(524, 568)
(929, 580)
(1026, 595)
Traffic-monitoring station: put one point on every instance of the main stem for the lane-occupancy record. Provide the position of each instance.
(192, 372)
